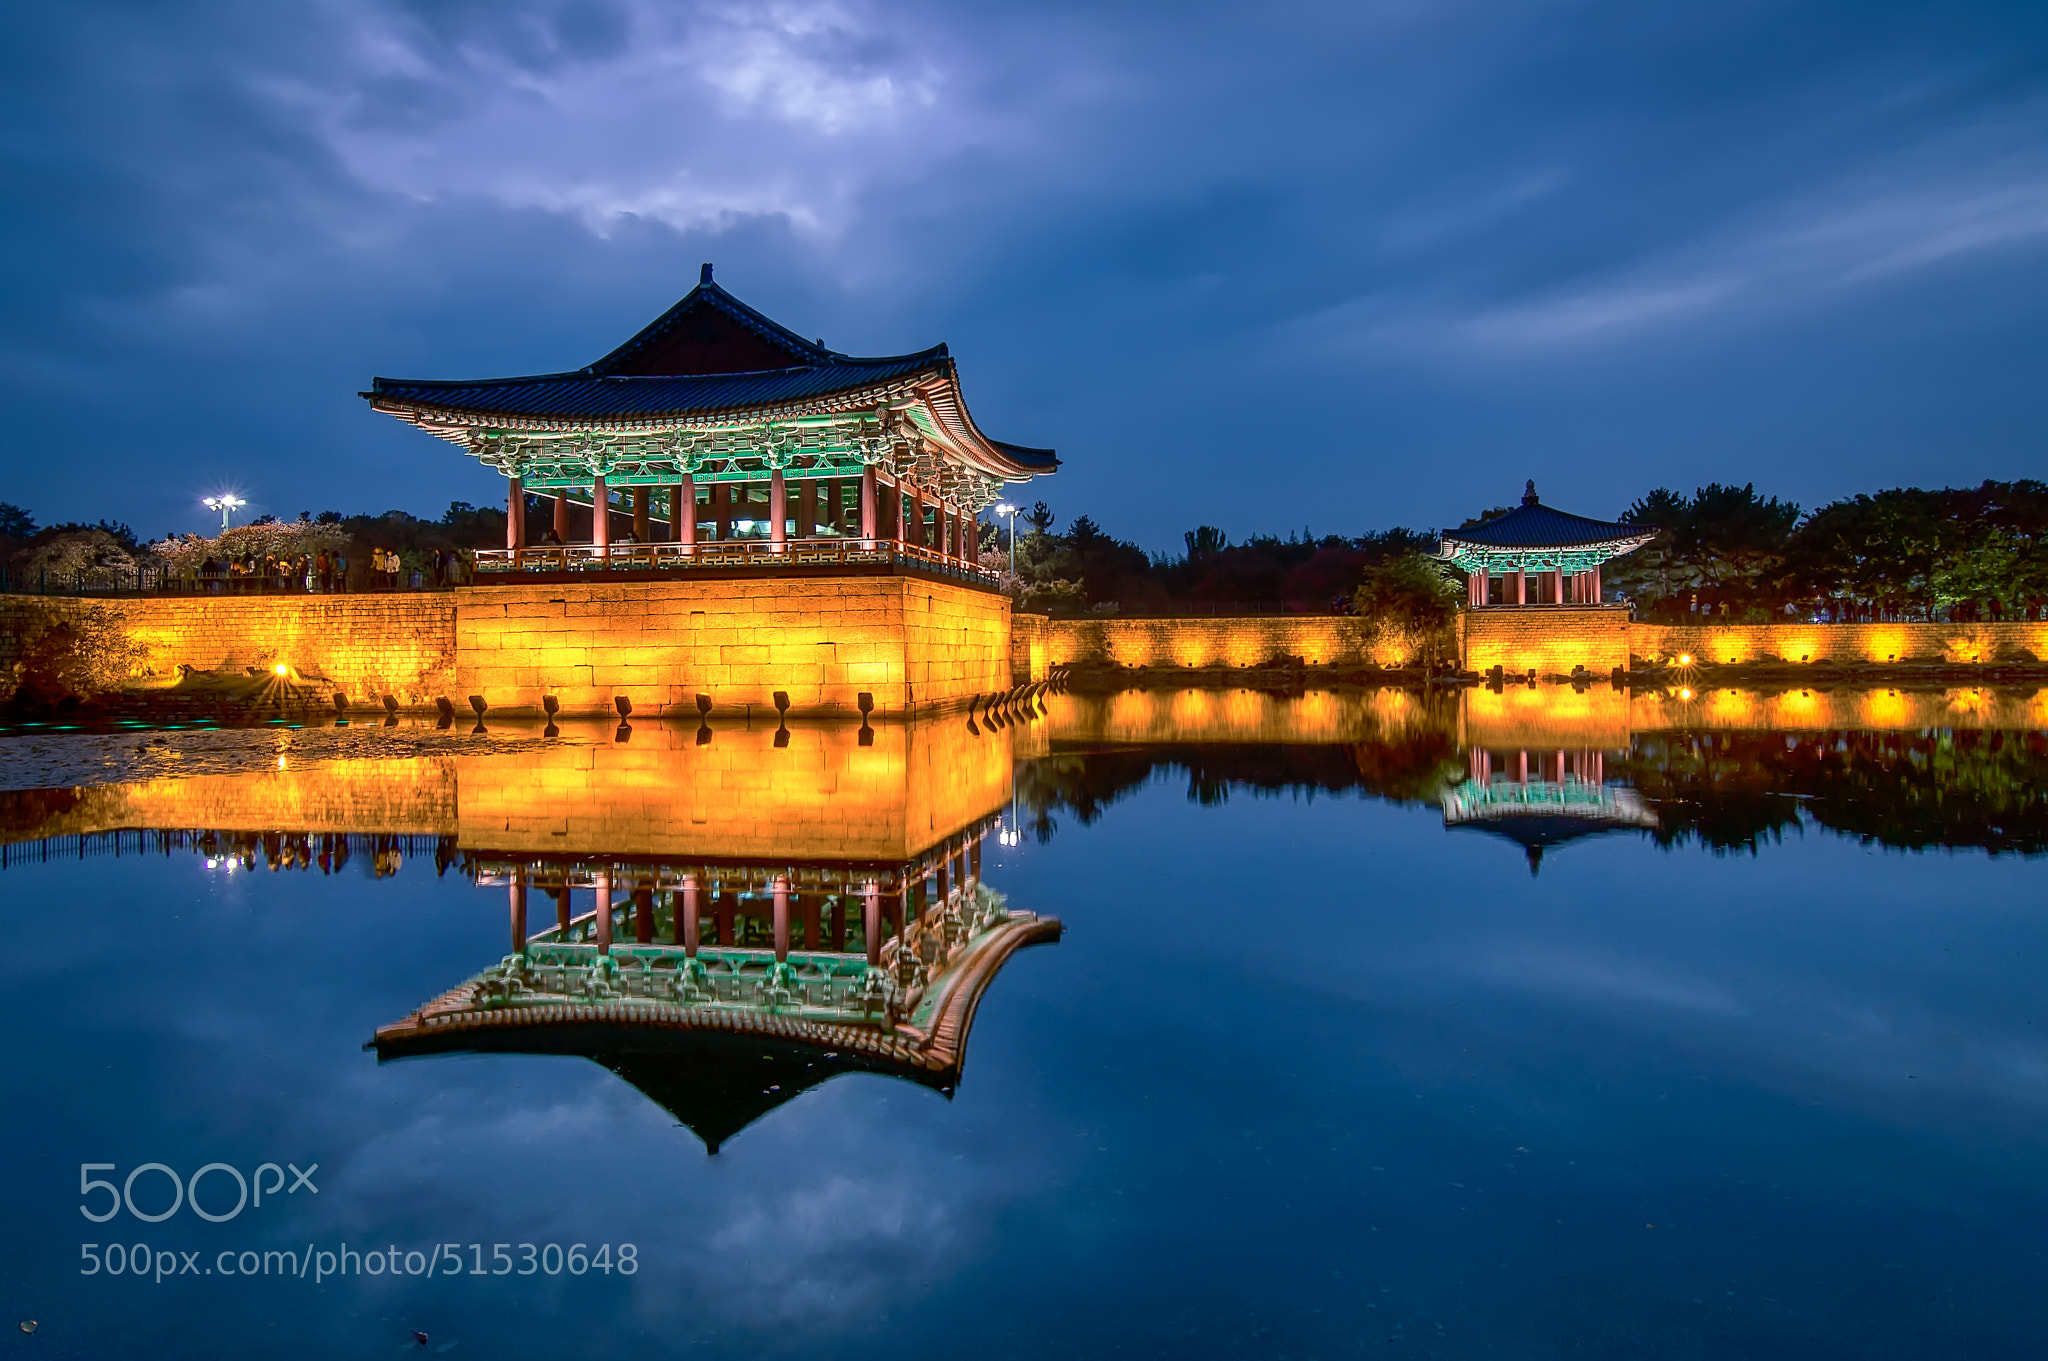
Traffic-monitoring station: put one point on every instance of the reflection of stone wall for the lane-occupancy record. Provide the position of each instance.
(1184, 716)
(822, 797)
(367, 645)
(1546, 718)
(1318, 639)
(410, 795)
(1841, 643)
(1968, 707)
(1028, 647)
(823, 640)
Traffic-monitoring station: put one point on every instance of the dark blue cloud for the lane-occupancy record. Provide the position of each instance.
(1343, 265)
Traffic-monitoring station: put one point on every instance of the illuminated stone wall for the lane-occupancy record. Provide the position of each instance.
(1841, 643)
(1545, 718)
(1878, 709)
(368, 646)
(905, 640)
(1028, 647)
(823, 640)
(1549, 640)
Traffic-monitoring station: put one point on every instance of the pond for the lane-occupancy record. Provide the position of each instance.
(1521, 1023)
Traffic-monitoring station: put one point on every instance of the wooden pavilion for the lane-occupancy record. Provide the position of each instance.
(717, 437)
(1534, 555)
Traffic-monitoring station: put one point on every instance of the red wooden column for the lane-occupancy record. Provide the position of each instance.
(870, 513)
(561, 897)
(1521, 587)
(641, 531)
(601, 516)
(807, 508)
(682, 511)
(518, 912)
(781, 890)
(1485, 587)
(562, 514)
(721, 509)
(515, 514)
(686, 920)
(778, 510)
(604, 912)
(1596, 585)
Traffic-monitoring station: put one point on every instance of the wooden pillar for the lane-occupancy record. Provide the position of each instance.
(561, 897)
(686, 919)
(721, 509)
(778, 508)
(871, 920)
(604, 912)
(600, 515)
(518, 905)
(641, 531)
(807, 509)
(721, 917)
(974, 863)
(1596, 585)
(781, 891)
(807, 906)
(870, 512)
(515, 514)
(682, 512)
(562, 514)
(1521, 586)
(916, 527)
(643, 916)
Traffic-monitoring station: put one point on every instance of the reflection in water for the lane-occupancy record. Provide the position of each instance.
(1548, 765)
(734, 921)
(722, 990)
(1543, 799)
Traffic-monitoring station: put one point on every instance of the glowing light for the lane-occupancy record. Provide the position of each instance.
(280, 763)
(226, 503)
(1685, 659)
(1684, 694)
(281, 669)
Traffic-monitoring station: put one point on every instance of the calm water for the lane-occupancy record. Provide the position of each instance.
(1754, 1062)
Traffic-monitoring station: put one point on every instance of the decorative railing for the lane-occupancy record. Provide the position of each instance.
(681, 557)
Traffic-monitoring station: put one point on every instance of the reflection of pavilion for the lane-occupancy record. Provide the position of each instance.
(837, 938)
(1543, 799)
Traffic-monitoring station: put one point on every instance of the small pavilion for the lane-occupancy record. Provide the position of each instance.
(1534, 555)
(717, 437)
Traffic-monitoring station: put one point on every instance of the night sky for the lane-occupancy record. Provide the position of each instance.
(1256, 265)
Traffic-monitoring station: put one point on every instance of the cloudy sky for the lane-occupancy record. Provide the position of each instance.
(1342, 265)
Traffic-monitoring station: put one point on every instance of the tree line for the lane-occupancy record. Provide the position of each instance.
(1723, 551)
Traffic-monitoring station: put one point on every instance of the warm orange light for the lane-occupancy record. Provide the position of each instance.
(1685, 694)
(281, 669)
(1685, 659)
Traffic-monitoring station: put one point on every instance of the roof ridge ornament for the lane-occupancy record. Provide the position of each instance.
(1528, 489)
(704, 274)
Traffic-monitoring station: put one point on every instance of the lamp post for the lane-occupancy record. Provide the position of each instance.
(226, 504)
(1011, 511)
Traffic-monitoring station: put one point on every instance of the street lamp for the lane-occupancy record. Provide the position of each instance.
(1006, 509)
(226, 503)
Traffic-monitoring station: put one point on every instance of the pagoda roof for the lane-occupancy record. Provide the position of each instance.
(1535, 525)
(711, 360)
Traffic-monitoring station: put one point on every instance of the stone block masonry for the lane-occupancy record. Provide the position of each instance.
(366, 646)
(1318, 640)
(907, 641)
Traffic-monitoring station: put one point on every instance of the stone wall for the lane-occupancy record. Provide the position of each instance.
(366, 646)
(823, 640)
(1549, 640)
(1840, 644)
(1028, 657)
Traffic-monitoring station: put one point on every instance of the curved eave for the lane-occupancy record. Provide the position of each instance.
(957, 430)
(452, 1023)
(1450, 547)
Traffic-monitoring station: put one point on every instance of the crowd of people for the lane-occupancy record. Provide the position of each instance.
(327, 573)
